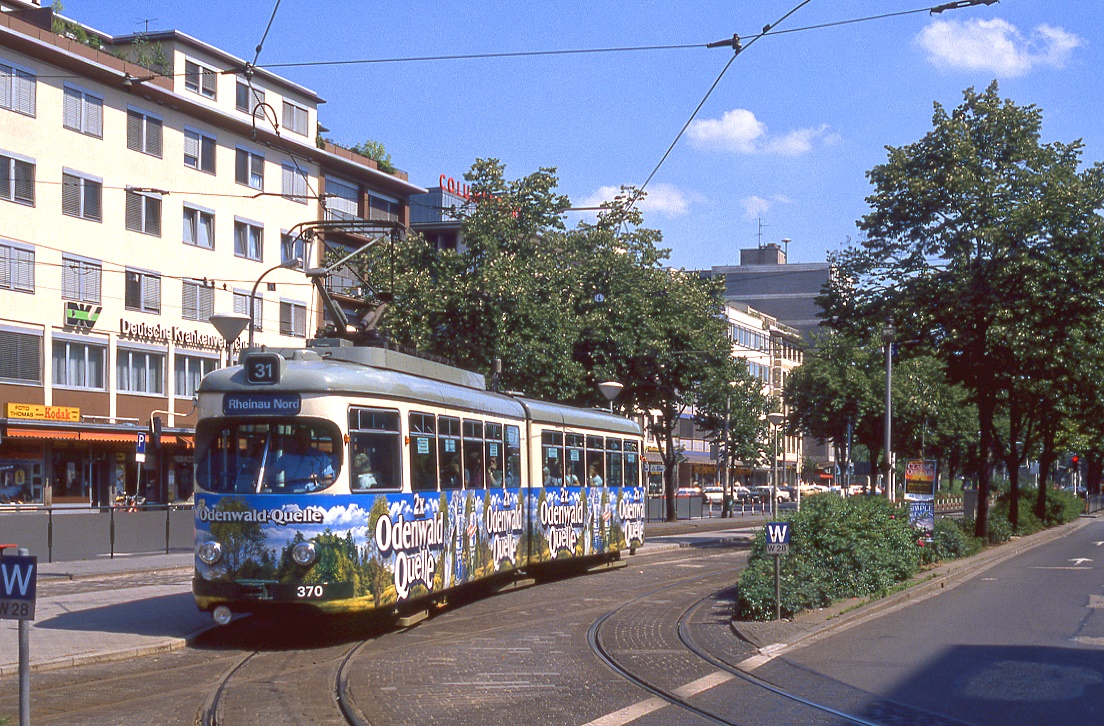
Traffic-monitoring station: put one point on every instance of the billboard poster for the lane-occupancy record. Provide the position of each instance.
(919, 480)
(922, 516)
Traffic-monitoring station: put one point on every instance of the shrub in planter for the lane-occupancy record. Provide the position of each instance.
(839, 548)
(950, 542)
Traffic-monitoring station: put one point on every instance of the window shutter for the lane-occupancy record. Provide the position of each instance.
(6, 82)
(206, 302)
(189, 301)
(153, 136)
(93, 116)
(241, 167)
(151, 293)
(6, 177)
(133, 212)
(20, 356)
(191, 148)
(209, 81)
(24, 182)
(6, 266)
(92, 283)
(70, 195)
(70, 279)
(286, 318)
(22, 270)
(207, 154)
(93, 192)
(23, 92)
(71, 109)
(153, 216)
(134, 131)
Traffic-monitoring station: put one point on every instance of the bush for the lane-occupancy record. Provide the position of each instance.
(950, 542)
(839, 548)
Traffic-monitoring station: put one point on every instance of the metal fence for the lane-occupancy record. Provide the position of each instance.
(59, 534)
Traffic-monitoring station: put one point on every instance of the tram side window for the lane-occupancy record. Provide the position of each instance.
(595, 461)
(448, 444)
(575, 463)
(230, 458)
(513, 457)
(614, 463)
(632, 464)
(552, 458)
(495, 453)
(473, 454)
(374, 450)
(423, 452)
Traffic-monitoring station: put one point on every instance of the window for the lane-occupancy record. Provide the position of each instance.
(144, 132)
(199, 227)
(80, 279)
(17, 179)
(574, 466)
(16, 267)
(249, 99)
(198, 300)
(241, 305)
(199, 150)
(17, 89)
(423, 452)
(81, 196)
(383, 209)
(139, 371)
(78, 365)
(293, 319)
(143, 212)
(249, 169)
(190, 370)
(342, 200)
(292, 248)
(295, 118)
(294, 184)
(595, 457)
(143, 291)
(448, 444)
(20, 356)
(493, 434)
(374, 449)
(200, 79)
(82, 111)
(248, 239)
(614, 463)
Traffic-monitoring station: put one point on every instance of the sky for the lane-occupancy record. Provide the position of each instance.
(779, 150)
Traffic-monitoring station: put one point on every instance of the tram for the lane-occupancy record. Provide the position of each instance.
(349, 478)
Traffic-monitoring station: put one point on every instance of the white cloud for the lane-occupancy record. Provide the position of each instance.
(665, 200)
(996, 46)
(738, 131)
(756, 206)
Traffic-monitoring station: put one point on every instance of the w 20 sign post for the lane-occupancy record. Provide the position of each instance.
(18, 576)
(778, 544)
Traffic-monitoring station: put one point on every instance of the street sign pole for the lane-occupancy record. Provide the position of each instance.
(778, 544)
(777, 587)
(17, 602)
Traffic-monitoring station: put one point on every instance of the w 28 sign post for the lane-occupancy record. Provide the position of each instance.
(18, 576)
(778, 544)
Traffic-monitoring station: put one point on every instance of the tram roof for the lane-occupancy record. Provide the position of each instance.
(379, 371)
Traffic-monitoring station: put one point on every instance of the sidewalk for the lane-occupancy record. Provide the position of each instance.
(103, 609)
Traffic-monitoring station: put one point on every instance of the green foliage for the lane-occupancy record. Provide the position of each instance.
(949, 542)
(375, 151)
(839, 548)
(1062, 506)
(73, 30)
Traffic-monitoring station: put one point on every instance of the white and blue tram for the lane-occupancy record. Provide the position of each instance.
(356, 478)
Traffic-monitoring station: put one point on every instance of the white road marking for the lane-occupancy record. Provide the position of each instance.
(650, 705)
(1080, 560)
(1096, 601)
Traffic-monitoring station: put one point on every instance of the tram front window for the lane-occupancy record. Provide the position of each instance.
(279, 457)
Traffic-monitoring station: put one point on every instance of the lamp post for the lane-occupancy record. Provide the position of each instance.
(775, 419)
(611, 390)
(229, 326)
(888, 334)
(726, 483)
(285, 265)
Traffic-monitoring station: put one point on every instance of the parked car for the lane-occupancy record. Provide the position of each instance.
(714, 495)
(687, 492)
(741, 493)
(763, 494)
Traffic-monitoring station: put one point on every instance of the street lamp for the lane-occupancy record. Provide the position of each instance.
(229, 326)
(285, 265)
(775, 419)
(611, 390)
(888, 334)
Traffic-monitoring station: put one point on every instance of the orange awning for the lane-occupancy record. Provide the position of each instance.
(17, 433)
(108, 436)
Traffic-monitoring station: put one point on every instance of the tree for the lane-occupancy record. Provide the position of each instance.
(375, 151)
(965, 226)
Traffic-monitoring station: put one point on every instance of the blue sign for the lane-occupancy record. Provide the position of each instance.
(261, 404)
(18, 576)
(778, 538)
(140, 447)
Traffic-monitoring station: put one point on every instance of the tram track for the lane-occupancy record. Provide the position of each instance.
(681, 697)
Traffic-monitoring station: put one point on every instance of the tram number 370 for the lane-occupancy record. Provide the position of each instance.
(308, 591)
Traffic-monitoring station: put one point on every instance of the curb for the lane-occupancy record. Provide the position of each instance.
(926, 585)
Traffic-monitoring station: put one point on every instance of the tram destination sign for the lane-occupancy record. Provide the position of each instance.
(18, 575)
(261, 404)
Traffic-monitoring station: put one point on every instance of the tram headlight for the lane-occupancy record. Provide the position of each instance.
(303, 553)
(210, 553)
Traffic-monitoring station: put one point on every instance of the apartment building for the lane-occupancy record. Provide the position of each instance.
(148, 182)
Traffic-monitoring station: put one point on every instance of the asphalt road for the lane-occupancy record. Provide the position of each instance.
(1022, 643)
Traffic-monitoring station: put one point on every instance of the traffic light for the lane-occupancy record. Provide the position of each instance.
(153, 446)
